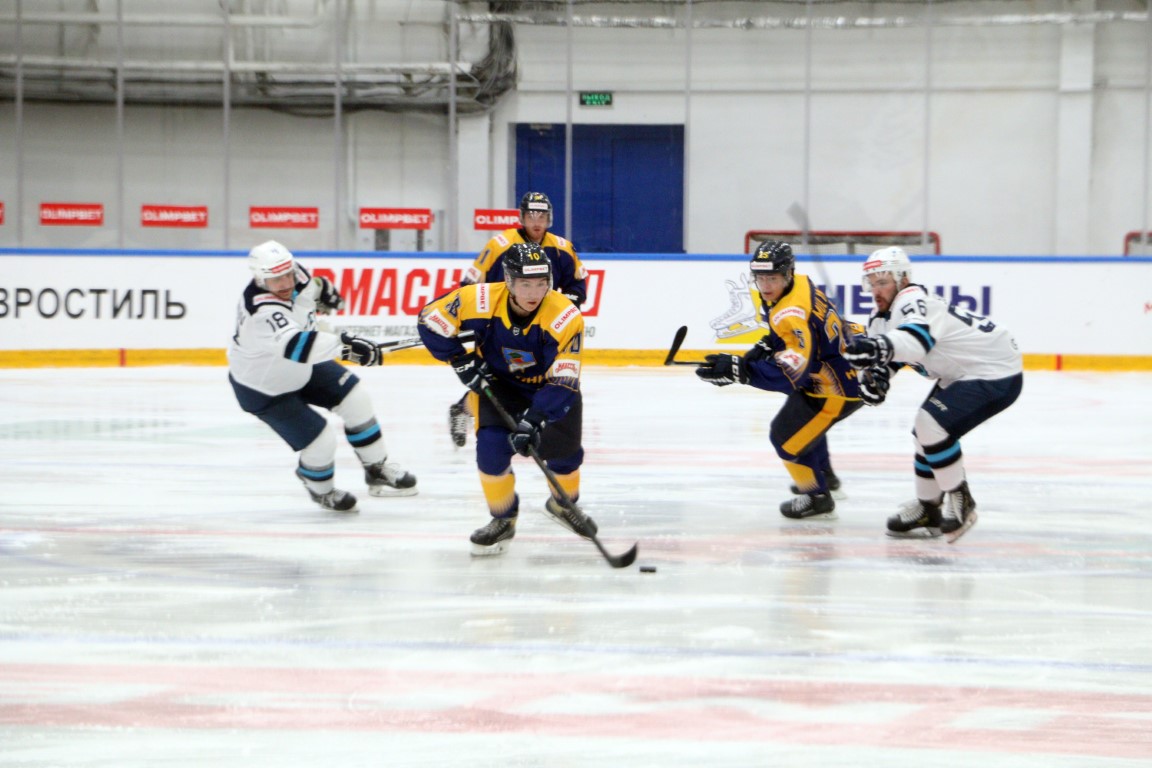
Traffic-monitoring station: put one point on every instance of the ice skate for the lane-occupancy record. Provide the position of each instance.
(493, 538)
(573, 519)
(833, 486)
(810, 506)
(459, 423)
(916, 519)
(334, 500)
(960, 515)
(389, 480)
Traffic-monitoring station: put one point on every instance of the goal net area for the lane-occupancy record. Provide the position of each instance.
(845, 242)
(1138, 244)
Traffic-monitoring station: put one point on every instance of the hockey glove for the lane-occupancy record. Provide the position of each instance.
(360, 351)
(874, 384)
(868, 351)
(472, 370)
(329, 299)
(723, 370)
(575, 298)
(760, 351)
(526, 438)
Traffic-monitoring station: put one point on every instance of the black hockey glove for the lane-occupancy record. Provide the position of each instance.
(760, 351)
(574, 297)
(527, 434)
(874, 384)
(472, 370)
(360, 351)
(867, 351)
(329, 299)
(723, 370)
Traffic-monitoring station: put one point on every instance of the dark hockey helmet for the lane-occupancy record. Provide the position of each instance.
(527, 260)
(773, 257)
(535, 201)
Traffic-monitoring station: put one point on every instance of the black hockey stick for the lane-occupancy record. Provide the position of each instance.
(616, 561)
(677, 340)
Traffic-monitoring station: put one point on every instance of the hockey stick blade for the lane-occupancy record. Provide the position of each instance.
(616, 561)
(677, 340)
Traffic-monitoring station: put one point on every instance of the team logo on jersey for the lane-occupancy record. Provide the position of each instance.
(518, 360)
(565, 318)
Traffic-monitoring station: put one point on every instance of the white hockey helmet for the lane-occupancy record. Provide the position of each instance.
(270, 259)
(892, 259)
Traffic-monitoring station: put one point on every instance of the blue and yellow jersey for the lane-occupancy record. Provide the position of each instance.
(539, 355)
(805, 334)
(568, 274)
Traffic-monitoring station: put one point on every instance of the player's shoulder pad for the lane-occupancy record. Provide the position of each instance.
(559, 316)
(794, 307)
(551, 238)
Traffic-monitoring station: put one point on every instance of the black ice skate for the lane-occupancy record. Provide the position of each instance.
(810, 506)
(334, 500)
(573, 519)
(916, 519)
(458, 423)
(961, 513)
(493, 538)
(833, 486)
(389, 480)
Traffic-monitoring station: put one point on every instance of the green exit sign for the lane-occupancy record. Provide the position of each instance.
(595, 98)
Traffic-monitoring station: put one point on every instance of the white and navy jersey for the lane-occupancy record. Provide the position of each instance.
(945, 342)
(276, 342)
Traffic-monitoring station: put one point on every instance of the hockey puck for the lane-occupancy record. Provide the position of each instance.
(647, 569)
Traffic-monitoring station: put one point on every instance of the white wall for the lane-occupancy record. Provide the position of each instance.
(1036, 137)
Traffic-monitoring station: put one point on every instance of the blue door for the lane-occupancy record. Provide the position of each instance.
(627, 184)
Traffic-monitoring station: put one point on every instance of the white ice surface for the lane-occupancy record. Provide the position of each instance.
(170, 597)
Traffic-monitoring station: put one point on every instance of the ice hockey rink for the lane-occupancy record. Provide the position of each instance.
(170, 596)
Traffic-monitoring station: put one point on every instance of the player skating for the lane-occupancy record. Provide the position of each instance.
(279, 364)
(978, 370)
(569, 276)
(799, 356)
(529, 340)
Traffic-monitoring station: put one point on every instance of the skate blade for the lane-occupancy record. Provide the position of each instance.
(969, 521)
(384, 491)
(479, 550)
(819, 517)
(837, 494)
(916, 533)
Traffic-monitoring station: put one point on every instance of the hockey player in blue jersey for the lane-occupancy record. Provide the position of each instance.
(799, 356)
(978, 370)
(528, 344)
(280, 364)
(568, 276)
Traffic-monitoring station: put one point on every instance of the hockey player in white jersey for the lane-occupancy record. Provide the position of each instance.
(979, 373)
(280, 363)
